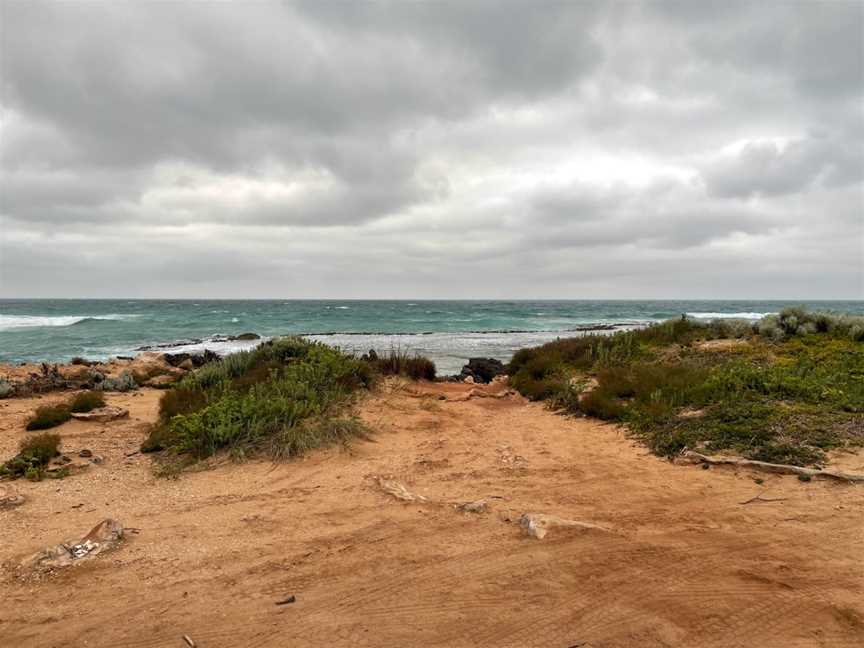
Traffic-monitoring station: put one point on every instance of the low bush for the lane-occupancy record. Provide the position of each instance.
(122, 383)
(49, 416)
(33, 456)
(86, 401)
(282, 398)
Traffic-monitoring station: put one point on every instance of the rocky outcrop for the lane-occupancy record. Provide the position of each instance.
(245, 336)
(162, 382)
(196, 359)
(102, 414)
(483, 370)
(124, 382)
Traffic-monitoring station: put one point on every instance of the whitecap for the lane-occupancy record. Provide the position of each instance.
(745, 316)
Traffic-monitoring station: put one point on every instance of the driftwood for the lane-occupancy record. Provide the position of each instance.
(759, 498)
(763, 466)
(537, 525)
(398, 490)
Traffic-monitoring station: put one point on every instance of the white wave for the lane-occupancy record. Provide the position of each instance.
(744, 316)
(29, 321)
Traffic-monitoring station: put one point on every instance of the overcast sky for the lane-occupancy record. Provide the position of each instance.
(440, 150)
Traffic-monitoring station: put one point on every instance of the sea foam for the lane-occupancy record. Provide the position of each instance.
(29, 321)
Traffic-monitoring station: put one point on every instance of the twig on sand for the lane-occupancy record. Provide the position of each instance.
(286, 601)
(189, 641)
(759, 498)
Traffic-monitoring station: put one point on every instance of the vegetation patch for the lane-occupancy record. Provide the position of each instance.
(792, 392)
(283, 398)
(400, 363)
(86, 401)
(34, 454)
(49, 416)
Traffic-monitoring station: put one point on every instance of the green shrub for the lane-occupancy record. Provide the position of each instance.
(33, 456)
(49, 416)
(602, 405)
(87, 401)
(181, 400)
(281, 398)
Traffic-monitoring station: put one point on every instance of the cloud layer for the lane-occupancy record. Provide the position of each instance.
(482, 149)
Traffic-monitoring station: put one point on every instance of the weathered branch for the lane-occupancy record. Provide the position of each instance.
(764, 466)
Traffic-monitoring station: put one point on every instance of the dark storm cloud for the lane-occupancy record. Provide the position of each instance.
(336, 139)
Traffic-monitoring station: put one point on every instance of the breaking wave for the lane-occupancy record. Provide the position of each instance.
(744, 316)
(8, 322)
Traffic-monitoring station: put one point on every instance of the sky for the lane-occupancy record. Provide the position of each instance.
(432, 150)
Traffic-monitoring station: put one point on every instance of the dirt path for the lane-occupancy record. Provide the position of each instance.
(686, 564)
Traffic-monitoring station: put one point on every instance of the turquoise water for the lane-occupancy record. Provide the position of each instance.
(448, 331)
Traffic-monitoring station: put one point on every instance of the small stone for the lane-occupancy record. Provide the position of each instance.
(163, 381)
(85, 453)
(480, 506)
(10, 497)
(469, 380)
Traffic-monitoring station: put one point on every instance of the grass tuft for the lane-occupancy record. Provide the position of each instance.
(33, 456)
(49, 416)
(400, 363)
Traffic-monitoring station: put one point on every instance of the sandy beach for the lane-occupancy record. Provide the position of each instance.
(686, 557)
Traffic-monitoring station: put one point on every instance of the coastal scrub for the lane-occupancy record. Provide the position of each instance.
(49, 416)
(283, 398)
(785, 389)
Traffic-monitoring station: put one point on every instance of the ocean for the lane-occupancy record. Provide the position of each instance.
(449, 332)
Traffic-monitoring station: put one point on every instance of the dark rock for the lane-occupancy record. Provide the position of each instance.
(125, 358)
(85, 453)
(206, 357)
(245, 336)
(176, 359)
(483, 370)
(198, 359)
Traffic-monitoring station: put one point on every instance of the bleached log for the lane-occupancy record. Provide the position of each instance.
(764, 466)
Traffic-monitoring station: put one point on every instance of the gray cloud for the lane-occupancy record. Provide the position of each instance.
(432, 149)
